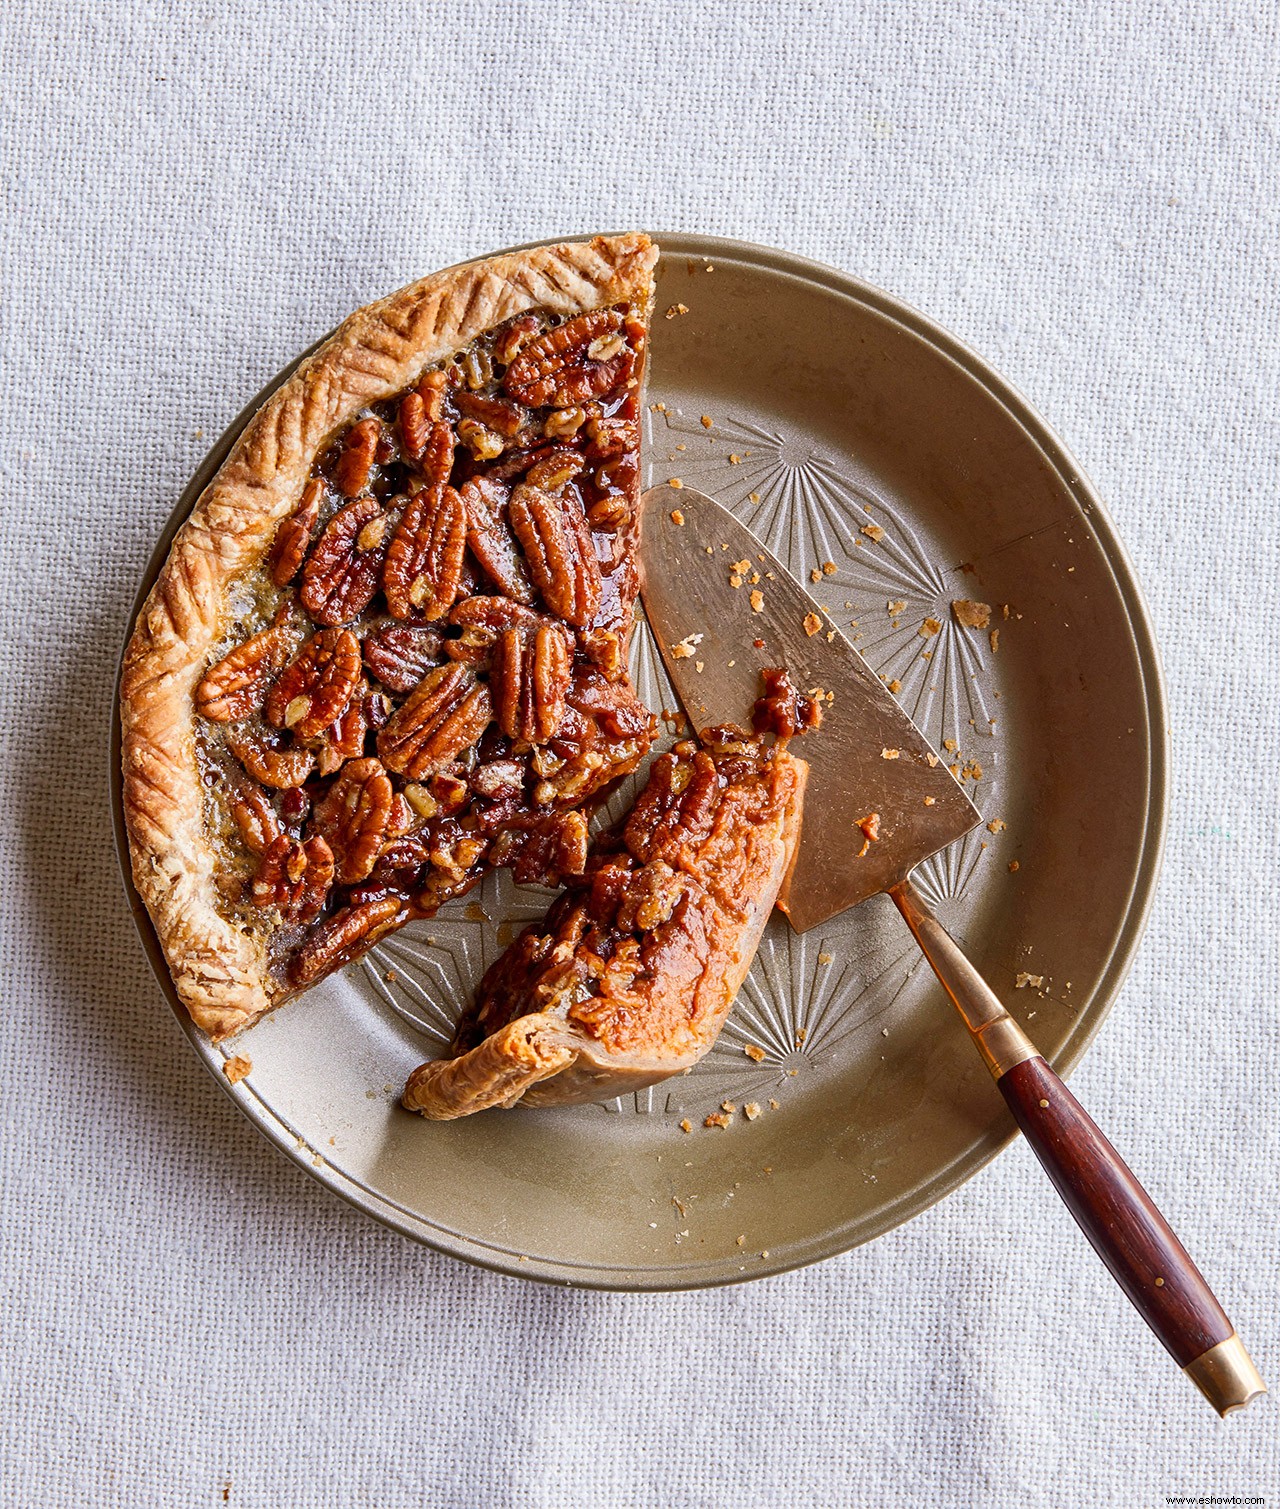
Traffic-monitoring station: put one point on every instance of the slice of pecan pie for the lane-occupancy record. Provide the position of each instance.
(388, 649)
(629, 977)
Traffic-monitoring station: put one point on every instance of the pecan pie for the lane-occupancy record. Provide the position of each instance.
(388, 648)
(629, 977)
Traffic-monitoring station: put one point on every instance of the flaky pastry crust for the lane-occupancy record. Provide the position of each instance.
(220, 968)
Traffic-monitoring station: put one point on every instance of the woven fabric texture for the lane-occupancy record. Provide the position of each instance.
(190, 194)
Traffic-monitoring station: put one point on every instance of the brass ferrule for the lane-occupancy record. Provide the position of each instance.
(1226, 1376)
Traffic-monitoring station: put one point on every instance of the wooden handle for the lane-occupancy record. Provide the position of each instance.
(1112, 1209)
(1128, 1233)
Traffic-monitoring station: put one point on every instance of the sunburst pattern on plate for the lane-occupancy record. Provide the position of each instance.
(806, 998)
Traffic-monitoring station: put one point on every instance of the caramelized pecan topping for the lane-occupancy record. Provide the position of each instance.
(582, 359)
(466, 635)
(529, 677)
(345, 739)
(345, 936)
(294, 534)
(423, 569)
(543, 848)
(557, 545)
(236, 686)
(497, 414)
(400, 655)
(355, 463)
(255, 817)
(482, 621)
(355, 816)
(294, 876)
(445, 715)
(315, 688)
(342, 571)
(491, 541)
(264, 755)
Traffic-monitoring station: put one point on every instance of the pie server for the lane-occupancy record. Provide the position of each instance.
(869, 758)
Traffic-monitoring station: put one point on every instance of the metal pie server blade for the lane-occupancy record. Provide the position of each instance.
(867, 757)
(722, 609)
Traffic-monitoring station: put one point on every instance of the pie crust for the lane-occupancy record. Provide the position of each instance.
(219, 965)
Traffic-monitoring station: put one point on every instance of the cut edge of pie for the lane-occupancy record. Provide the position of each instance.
(629, 977)
(219, 966)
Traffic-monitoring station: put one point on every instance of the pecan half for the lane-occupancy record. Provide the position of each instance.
(497, 414)
(255, 817)
(400, 655)
(514, 336)
(491, 540)
(265, 757)
(529, 678)
(294, 877)
(354, 815)
(446, 714)
(342, 571)
(294, 534)
(558, 547)
(423, 569)
(345, 739)
(554, 468)
(354, 465)
(314, 689)
(582, 359)
(345, 936)
(482, 621)
(235, 687)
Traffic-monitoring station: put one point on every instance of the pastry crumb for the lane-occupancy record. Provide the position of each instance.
(828, 568)
(754, 1052)
(751, 1110)
(236, 1068)
(895, 686)
(686, 1126)
(972, 615)
(994, 636)
(757, 600)
(929, 628)
(812, 623)
(706, 421)
(734, 459)
(824, 958)
(815, 575)
(676, 516)
(775, 1105)
(1024, 979)
(675, 309)
(674, 482)
(685, 648)
(718, 1119)
(996, 825)
(894, 608)
(873, 531)
(890, 754)
(1014, 867)
(931, 801)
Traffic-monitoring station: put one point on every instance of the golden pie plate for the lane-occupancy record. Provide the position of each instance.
(814, 406)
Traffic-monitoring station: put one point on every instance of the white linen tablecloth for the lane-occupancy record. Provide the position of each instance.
(1087, 194)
